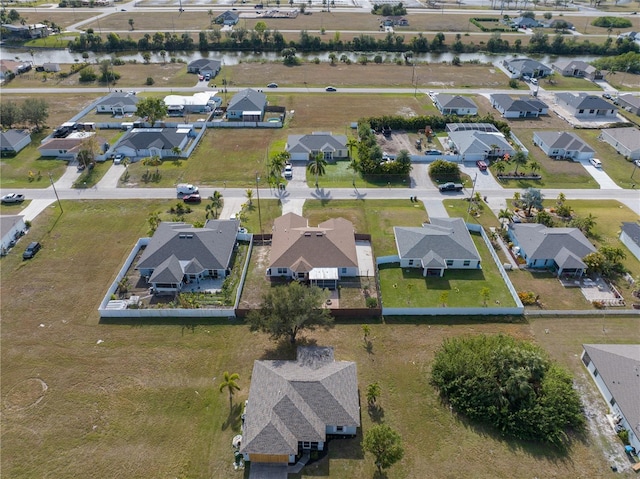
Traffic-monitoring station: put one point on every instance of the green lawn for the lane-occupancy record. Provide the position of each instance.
(409, 289)
(614, 164)
(547, 286)
(338, 175)
(568, 83)
(375, 217)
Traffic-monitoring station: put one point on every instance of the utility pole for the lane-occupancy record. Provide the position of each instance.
(259, 211)
(56, 193)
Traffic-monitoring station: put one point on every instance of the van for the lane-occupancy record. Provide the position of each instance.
(186, 189)
(596, 162)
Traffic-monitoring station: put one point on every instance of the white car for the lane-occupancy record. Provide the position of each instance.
(596, 162)
(288, 172)
(534, 81)
(13, 198)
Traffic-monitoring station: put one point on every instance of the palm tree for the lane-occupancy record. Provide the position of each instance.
(249, 195)
(176, 151)
(163, 54)
(229, 382)
(519, 159)
(373, 392)
(351, 144)
(500, 167)
(534, 166)
(216, 203)
(317, 165)
(131, 23)
(561, 199)
(505, 214)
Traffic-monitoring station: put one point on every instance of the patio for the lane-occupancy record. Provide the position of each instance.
(595, 290)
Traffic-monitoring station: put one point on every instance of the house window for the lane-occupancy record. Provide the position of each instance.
(466, 262)
(282, 270)
(595, 373)
(300, 275)
(449, 262)
(580, 111)
(586, 359)
(306, 445)
(343, 270)
(612, 402)
(591, 112)
(339, 428)
(410, 262)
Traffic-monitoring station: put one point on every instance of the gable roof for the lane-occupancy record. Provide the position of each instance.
(9, 221)
(632, 229)
(518, 103)
(210, 247)
(455, 101)
(526, 64)
(13, 137)
(629, 137)
(619, 367)
(563, 140)
(567, 246)
(574, 65)
(118, 99)
(296, 245)
(291, 401)
(248, 100)
(478, 142)
(205, 64)
(162, 138)
(582, 101)
(66, 144)
(316, 141)
(228, 15)
(630, 99)
(434, 243)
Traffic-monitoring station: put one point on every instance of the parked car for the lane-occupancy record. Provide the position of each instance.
(330, 88)
(259, 5)
(272, 85)
(186, 189)
(596, 162)
(200, 77)
(207, 77)
(118, 159)
(194, 198)
(481, 165)
(288, 172)
(607, 96)
(450, 187)
(526, 78)
(534, 81)
(637, 163)
(13, 198)
(31, 250)
(433, 152)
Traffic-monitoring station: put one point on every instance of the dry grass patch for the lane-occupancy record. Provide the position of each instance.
(63, 17)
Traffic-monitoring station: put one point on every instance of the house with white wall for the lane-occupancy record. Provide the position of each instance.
(626, 141)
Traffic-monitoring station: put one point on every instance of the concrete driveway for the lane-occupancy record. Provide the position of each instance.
(598, 174)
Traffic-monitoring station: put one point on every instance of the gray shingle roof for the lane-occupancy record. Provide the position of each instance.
(630, 99)
(629, 137)
(9, 221)
(526, 64)
(291, 401)
(633, 231)
(331, 244)
(211, 246)
(619, 368)
(317, 141)
(162, 138)
(518, 103)
(563, 140)
(574, 65)
(118, 99)
(169, 271)
(455, 101)
(474, 142)
(443, 239)
(12, 137)
(205, 64)
(567, 246)
(248, 100)
(582, 101)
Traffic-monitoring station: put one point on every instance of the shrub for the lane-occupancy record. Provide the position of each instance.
(87, 75)
(441, 170)
(371, 302)
(624, 437)
(611, 22)
(527, 297)
(150, 81)
(598, 304)
(513, 83)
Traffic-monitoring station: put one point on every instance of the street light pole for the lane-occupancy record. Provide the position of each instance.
(258, 195)
(56, 193)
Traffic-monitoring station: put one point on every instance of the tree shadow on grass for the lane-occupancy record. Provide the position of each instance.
(233, 420)
(376, 413)
(285, 350)
(380, 475)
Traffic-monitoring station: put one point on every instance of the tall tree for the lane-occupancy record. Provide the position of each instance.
(215, 205)
(505, 216)
(351, 144)
(373, 392)
(10, 114)
(249, 195)
(385, 444)
(287, 310)
(131, 23)
(35, 111)
(229, 382)
(532, 198)
(317, 165)
(520, 159)
(151, 108)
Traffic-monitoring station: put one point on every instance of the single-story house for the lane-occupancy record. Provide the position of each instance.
(577, 68)
(626, 141)
(140, 143)
(320, 255)
(12, 141)
(51, 67)
(526, 67)
(558, 249)
(474, 145)
(117, 103)
(584, 106)
(445, 243)
(630, 237)
(34, 30)
(8, 68)
(522, 106)
(558, 24)
(205, 66)
(395, 21)
(615, 368)
(630, 103)
(486, 127)
(294, 406)
(525, 22)
(247, 105)
(227, 18)
(455, 104)
(179, 253)
(11, 228)
(303, 147)
(562, 144)
(67, 148)
(200, 102)
(632, 36)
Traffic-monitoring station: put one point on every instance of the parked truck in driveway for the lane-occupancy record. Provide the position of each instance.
(450, 187)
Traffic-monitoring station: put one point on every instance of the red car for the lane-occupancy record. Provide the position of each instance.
(195, 198)
(481, 164)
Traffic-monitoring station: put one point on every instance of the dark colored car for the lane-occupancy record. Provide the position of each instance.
(330, 88)
(194, 198)
(272, 85)
(31, 250)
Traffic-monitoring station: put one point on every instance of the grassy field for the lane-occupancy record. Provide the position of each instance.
(559, 82)
(155, 386)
